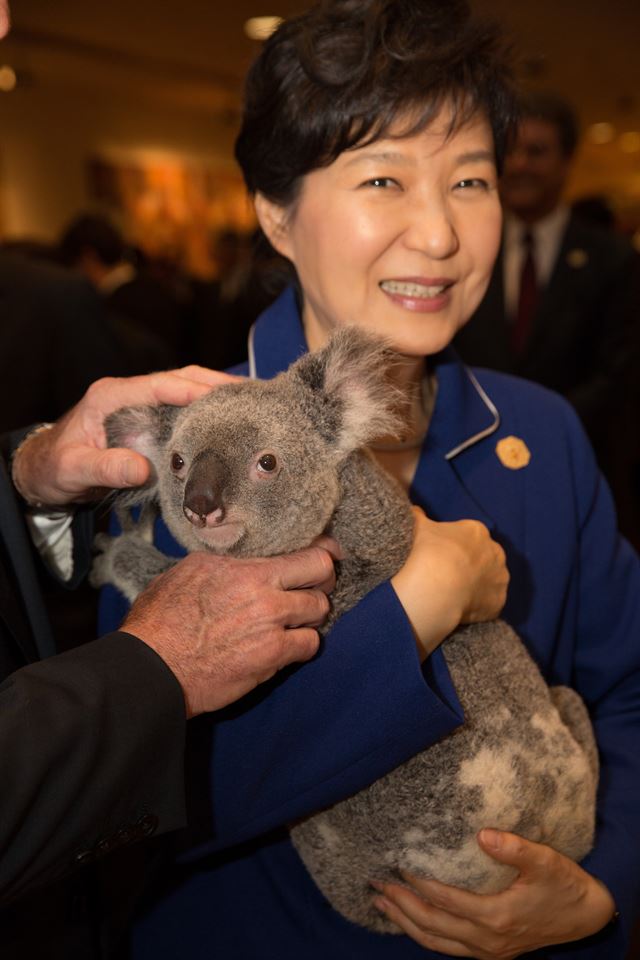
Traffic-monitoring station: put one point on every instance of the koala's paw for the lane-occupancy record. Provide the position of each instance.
(111, 561)
(129, 562)
(99, 576)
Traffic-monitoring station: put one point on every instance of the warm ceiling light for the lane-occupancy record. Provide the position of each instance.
(5, 20)
(630, 142)
(601, 133)
(261, 28)
(8, 79)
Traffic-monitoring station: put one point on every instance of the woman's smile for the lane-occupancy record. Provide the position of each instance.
(420, 294)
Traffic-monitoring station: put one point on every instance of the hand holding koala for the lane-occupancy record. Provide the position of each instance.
(261, 468)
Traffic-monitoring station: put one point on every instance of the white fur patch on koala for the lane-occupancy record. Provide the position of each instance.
(495, 774)
(551, 727)
(330, 836)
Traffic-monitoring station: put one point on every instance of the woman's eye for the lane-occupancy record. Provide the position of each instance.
(267, 463)
(380, 182)
(177, 463)
(471, 182)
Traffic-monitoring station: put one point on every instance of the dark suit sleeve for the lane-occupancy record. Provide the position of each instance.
(91, 758)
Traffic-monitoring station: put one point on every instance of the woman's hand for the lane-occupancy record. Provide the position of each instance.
(454, 574)
(553, 900)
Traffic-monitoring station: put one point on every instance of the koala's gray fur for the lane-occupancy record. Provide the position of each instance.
(525, 758)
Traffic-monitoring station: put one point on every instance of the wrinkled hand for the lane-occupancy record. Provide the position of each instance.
(553, 900)
(71, 462)
(224, 625)
(454, 574)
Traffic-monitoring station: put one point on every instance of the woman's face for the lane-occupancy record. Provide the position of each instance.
(398, 237)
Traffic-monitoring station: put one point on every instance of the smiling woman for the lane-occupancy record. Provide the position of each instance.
(371, 139)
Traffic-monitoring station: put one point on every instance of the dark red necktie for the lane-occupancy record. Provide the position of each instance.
(527, 297)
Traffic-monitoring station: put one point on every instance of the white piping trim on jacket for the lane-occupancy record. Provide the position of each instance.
(490, 405)
(253, 374)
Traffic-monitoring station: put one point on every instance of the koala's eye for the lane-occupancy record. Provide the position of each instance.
(267, 463)
(177, 463)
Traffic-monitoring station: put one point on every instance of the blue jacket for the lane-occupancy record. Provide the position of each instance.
(364, 705)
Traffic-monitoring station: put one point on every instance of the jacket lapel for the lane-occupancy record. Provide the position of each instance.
(448, 481)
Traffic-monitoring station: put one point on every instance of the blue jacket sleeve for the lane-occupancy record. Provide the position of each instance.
(607, 673)
(323, 730)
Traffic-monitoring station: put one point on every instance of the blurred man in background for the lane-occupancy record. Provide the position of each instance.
(142, 313)
(562, 306)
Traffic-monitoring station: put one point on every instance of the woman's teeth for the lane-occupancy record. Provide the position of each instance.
(412, 289)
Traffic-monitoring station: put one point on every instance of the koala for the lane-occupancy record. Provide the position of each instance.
(258, 468)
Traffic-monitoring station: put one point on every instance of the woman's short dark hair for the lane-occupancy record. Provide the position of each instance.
(340, 75)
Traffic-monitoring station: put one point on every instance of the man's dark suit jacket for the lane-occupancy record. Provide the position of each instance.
(584, 327)
(54, 341)
(91, 758)
(585, 344)
(149, 325)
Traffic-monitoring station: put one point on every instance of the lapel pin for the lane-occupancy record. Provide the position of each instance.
(577, 258)
(513, 453)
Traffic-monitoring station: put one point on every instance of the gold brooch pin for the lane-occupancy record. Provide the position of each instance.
(577, 258)
(513, 453)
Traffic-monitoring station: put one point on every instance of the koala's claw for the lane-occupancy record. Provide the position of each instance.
(146, 521)
(101, 542)
(100, 573)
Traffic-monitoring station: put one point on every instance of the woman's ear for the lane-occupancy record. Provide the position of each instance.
(274, 222)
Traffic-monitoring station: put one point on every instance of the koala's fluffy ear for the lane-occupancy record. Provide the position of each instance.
(147, 431)
(356, 402)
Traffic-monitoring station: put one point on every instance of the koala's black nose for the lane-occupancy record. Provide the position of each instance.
(203, 492)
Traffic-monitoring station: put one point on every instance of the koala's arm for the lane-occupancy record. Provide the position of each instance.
(129, 561)
(373, 525)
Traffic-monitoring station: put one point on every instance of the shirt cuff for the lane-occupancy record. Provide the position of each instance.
(53, 539)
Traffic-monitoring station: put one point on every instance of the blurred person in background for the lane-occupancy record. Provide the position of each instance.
(249, 277)
(563, 304)
(143, 315)
(54, 340)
